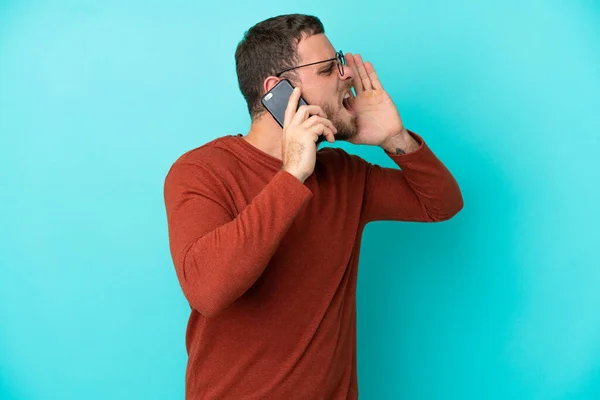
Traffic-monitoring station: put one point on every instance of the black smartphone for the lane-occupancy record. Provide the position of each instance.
(276, 100)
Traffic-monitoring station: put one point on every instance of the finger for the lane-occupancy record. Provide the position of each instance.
(316, 119)
(304, 112)
(331, 126)
(358, 86)
(330, 136)
(362, 72)
(320, 129)
(373, 76)
(292, 106)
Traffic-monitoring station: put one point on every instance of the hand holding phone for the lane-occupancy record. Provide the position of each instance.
(276, 101)
(302, 127)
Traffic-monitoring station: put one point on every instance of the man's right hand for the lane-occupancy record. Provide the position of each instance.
(301, 130)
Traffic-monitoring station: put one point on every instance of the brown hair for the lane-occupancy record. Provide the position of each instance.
(268, 48)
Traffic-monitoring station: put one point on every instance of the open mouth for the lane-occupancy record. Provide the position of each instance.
(346, 102)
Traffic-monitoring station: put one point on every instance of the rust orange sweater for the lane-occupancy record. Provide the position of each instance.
(269, 264)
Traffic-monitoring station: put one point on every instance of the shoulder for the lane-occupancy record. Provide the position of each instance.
(213, 155)
(203, 165)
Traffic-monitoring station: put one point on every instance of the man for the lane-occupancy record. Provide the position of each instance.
(265, 230)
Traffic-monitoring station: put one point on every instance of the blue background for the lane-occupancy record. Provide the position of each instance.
(97, 99)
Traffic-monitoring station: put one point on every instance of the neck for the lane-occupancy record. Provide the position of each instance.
(265, 134)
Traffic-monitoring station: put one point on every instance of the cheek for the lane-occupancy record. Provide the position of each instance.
(325, 95)
(315, 98)
(334, 101)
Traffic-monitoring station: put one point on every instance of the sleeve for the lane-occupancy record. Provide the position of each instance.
(218, 256)
(422, 190)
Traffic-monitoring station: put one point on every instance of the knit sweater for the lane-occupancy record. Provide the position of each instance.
(269, 264)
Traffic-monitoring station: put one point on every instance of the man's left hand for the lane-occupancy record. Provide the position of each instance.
(378, 118)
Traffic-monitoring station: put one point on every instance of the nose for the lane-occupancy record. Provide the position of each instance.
(348, 72)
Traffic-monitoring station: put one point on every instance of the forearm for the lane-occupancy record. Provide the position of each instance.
(430, 180)
(217, 258)
(222, 265)
(422, 190)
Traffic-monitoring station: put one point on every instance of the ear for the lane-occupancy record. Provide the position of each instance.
(270, 82)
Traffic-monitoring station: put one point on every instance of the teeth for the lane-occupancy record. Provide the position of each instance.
(346, 95)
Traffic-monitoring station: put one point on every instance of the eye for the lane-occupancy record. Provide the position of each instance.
(327, 71)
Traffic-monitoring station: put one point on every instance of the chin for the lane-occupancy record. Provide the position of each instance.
(343, 120)
(346, 125)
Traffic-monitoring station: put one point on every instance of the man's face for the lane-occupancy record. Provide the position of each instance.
(322, 84)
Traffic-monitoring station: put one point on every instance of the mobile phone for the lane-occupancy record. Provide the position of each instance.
(276, 100)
